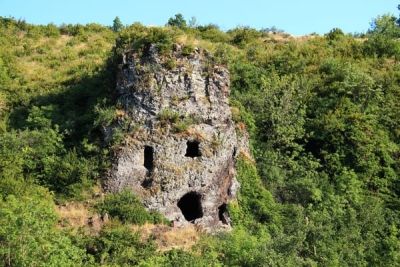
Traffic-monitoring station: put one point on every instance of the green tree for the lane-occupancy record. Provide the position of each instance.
(28, 236)
(118, 245)
(385, 25)
(117, 25)
(398, 19)
(335, 34)
(382, 38)
(177, 21)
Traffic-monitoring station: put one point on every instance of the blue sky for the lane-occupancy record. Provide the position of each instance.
(294, 16)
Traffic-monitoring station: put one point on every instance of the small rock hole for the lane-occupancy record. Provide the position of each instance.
(223, 213)
(193, 149)
(147, 183)
(234, 152)
(190, 205)
(149, 158)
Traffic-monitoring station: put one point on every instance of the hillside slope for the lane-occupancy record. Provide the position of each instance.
(323, 114)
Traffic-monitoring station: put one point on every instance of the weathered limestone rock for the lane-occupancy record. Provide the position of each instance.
(179, 153)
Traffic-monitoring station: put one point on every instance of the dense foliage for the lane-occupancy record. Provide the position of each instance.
(323, 113)
(128, 208)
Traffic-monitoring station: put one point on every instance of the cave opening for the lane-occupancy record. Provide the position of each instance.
(149, 158)
(223, 213)
(190, 205)
(147, 183)
(193, 149)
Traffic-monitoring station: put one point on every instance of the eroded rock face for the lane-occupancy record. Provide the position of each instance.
(179, 155)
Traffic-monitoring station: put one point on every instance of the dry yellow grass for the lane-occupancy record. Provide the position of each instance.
(194, 133)
(33, 71)
(167, 237)
(80, 214)
(73, 214)
(182, 238)
(204, 44)
(76, 215)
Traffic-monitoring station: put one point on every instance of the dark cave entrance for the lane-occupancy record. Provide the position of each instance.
(223, 213)
(193, 149)
(149, 158)
(190, 205)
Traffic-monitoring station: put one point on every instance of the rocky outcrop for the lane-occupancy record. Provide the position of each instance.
(179, 151)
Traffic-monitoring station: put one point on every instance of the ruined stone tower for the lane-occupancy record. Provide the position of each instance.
(179, 155)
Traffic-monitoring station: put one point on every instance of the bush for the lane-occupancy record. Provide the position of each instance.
(39, 156)
(243, 35)
(383, 37)
(51, 30)
(177, 21)
(187, 50)
(335, 34)
(127, 208)
(168, 116)
(255, 202)
(71, 29)
(184, 123)
(212, 33)
(28, 234)
(381, 45)
(178, 122)
(138, 37)
(118, 245)
(104, 115)
(179, 257)
(117, 25)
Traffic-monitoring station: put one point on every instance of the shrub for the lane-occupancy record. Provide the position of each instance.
(28, 234)
(183, 124)
(168, 116)
(243, 35)
(187, 50)
(138, 37)
(383, 35)
(381, 45)
(51, 30)
(127, 208)
(212, 33)
(105, 115)
(335, 34)
(71, 29)
(178, 257)
(170, 63)
(254, 200)
(118, 245)
(177, 21)
(117, 25)
(223, 54)
(179, 123)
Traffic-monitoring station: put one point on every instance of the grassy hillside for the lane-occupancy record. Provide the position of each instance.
(323, 113)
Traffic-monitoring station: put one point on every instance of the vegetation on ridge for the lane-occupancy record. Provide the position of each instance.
(322, 111)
